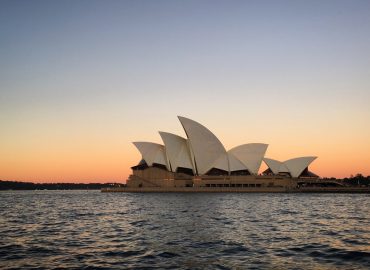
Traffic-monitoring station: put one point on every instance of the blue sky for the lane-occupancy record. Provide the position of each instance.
(270, 69)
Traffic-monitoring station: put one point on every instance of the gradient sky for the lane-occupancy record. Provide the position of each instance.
(81, 80)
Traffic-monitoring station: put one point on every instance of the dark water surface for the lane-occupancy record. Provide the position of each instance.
(89, 229)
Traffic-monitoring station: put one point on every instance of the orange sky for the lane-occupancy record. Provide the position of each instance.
(91, 154)
(80, 82)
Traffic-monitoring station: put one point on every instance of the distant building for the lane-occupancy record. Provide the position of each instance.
(200, 160)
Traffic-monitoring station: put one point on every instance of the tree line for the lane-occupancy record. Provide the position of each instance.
(15, 185)
(356, 180)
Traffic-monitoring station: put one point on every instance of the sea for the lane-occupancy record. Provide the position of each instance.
(94, 230)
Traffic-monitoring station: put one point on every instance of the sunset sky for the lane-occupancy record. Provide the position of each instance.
(81, 80)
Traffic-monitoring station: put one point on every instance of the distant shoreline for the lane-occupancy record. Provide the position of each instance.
(16, 185)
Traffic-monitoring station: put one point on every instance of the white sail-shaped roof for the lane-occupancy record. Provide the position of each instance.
(250, 155)
(273, 164)
(152, 153)
(276, 166)
(177, 151)
(236, 164)
(284, 168)
(205, 146)
(222, 163)
(297, 165)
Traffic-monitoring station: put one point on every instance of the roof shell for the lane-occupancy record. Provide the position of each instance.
(233, 163)
(273, 164)
(222, 162)
(250, 155)
(152, 153)
(236, 164)
(276, 166)
(297, 165)
(205, 146)
(177, 151)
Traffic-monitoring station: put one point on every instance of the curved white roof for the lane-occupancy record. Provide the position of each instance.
(177, 151)
(205, 146)
(152, 153)
(273, 164)
(221, 163)
(250, 155)
(276, 166)
(236, 164)
(297, 165)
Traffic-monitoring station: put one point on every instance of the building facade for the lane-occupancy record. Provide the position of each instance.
(201, 161)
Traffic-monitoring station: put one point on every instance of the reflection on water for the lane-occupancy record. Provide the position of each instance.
(77, 229)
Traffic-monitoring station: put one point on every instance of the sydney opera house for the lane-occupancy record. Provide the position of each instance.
(201, 161)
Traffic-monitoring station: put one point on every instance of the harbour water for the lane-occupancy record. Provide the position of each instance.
(94, 230)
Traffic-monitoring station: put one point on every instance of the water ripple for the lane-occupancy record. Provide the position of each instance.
(93, 230)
